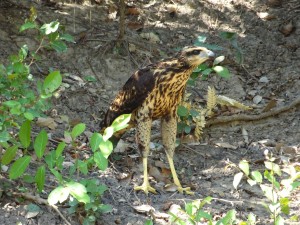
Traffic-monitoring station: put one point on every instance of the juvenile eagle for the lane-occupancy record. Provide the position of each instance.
(154, 92)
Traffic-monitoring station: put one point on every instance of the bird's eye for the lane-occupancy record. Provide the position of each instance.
(196, 52)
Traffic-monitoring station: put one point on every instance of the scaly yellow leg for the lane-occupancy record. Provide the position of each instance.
(145, 186)
(187, 190)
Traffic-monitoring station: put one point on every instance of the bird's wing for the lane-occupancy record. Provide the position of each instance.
(132, 95)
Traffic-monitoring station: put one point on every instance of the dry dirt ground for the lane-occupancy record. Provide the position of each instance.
(269, 36)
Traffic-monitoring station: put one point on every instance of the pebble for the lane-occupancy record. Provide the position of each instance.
(264, 79)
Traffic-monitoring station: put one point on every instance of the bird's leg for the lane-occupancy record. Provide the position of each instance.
(168, 131)
(143, 133)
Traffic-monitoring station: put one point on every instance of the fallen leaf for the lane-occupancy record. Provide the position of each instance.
(31, 215)
(143, 208)
(46, 122)
(265, 16)
(154, 172)
(245, 135)
(171, 187)
(225, 145)
(270, 105)
(121, 146)
(132, 11)
(287, 29)
(152, 37)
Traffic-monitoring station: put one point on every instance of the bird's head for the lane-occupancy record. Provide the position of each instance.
(194, 56)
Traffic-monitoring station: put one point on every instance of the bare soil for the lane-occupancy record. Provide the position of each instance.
(269, 36)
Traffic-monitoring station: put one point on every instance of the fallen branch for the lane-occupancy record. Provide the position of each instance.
(276, 111)
(41, 201)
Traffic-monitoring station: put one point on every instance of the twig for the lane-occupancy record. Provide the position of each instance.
(40, 200)
(227, 119)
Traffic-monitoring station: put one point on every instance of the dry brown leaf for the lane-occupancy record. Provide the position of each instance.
(47, 122)
(272, 104)
(154, 172)
(171, 187)
(132, 11)
(225, 145)
(143, 208)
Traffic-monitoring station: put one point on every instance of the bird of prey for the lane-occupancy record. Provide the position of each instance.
(154, 92)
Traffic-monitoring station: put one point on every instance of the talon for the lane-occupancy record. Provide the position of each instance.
(187, 190)
(146, 188)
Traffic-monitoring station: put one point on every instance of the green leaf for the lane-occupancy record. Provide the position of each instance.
(227, 35)
(269, 193)
(49, 28)
(9, 155)
(219, 60)
(28, 179)
(82, 166)
(121, 122)
(108, 132)
(59, 194)
(187, 129)
(251, 219)
(189, 209)
(273, 167)
(23, 52)
(61, 146)
(52, 82)
(67, 37)
(251, 182)
(19, 167)
(78, 191)
(90, 78)
(205, 201)
(148, 222)
(270, 177)
(222, 71)
(279, 220)
(100, 160)
(202, 214)
(256, 175)
(105, 208)
(57, 175)
(182, 111)
(284, 204)
(77, 130)
(95, 141)
(28, 25)
(58, 46)
(237, 179)
(50, 159)
(194, 113)
(4, 136)
(24, 133)
(229, 218)
(201, 39)
(40, 143)
(200, 68)
(33, 208)
(29, 116)
(40, 178)
(244, 166)
(11, 104)
(106, 148)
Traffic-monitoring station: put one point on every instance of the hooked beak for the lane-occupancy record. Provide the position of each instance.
(207, 54)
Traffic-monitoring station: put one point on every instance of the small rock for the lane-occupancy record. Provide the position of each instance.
(287, 29)
(257, 99)
(264, 79)
(252, 92)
